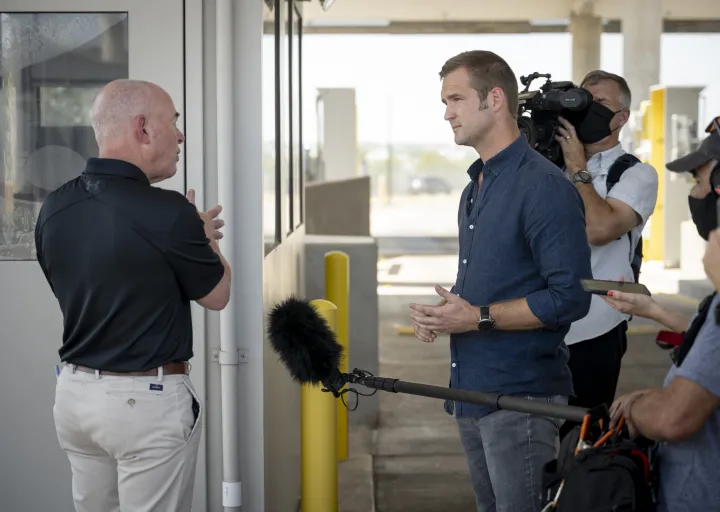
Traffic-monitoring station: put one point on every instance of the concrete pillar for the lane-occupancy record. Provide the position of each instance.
(338, 133)
(642, 27)
(586, 30)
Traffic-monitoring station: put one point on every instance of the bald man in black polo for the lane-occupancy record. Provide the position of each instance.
(124, 260)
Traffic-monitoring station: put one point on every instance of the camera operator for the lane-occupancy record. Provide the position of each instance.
(684, 415)
(615, 219)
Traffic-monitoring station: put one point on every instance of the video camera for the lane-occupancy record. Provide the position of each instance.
(544, 106)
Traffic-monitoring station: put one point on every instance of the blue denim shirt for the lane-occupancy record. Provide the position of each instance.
(522, 235)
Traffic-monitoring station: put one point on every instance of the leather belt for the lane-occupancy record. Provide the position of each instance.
(177, 368)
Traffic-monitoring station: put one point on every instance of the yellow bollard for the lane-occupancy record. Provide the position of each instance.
(337, 291)
(319, 437)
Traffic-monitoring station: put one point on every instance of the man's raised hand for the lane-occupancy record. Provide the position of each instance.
(212, 224)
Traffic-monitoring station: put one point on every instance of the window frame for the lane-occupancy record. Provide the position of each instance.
(296, 166)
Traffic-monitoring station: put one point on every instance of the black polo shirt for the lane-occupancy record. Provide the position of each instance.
(124, 260)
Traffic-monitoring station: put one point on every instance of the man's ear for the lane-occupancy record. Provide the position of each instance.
(139, 129)
(497, 99)
(624, 117)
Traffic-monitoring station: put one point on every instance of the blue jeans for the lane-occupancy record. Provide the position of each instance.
(506, 452)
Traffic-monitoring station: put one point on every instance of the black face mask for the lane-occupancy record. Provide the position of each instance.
(704, 213)
(594, 125)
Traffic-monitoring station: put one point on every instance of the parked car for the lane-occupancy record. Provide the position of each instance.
(429, 185)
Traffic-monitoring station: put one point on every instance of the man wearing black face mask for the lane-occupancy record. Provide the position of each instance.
(700, 164)
(619, 193)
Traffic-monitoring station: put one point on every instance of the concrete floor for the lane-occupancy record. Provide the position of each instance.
(414, 460)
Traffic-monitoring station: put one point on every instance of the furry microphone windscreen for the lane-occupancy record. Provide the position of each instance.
(303, 341)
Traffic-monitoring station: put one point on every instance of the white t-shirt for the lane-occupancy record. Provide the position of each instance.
(638, 188)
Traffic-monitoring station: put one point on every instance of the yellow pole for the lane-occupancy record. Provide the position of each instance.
(658, 133)
(319, 437)
(337, 286)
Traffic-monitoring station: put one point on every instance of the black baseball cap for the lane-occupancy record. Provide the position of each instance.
(709, 150)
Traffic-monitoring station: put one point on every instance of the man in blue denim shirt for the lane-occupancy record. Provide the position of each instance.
(523, 253)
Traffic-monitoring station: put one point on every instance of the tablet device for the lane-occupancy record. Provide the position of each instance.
(601, 287)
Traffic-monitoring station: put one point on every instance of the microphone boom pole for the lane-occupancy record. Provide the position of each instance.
(493, 400)
(308, 348)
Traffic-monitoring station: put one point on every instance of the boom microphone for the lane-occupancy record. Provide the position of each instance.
(302, 339)
(310, 352)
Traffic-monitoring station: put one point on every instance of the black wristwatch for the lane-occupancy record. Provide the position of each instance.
(486, 322)
(582, 176)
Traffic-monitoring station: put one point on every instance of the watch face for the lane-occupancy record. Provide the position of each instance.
(583, 176)
(485, 324)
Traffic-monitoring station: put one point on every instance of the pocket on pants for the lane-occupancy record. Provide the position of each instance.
(558, 399)
(191, 414)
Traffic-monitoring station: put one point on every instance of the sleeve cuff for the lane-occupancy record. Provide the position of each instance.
(711, 383)
(207, 285)
(541, 305)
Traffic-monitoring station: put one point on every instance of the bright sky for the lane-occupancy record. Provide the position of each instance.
(397, 76)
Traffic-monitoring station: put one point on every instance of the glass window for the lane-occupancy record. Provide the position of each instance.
(283, 93)
(51, 67)
(297, 158)
(271, 163)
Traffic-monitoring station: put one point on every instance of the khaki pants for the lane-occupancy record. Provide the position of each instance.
(132, 442)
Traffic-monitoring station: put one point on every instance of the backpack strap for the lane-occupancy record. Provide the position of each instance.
(618, 167)
(680, 352)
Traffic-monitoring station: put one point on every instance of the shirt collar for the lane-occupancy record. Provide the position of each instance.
(500, 161)
(113, 167)
(600, 163)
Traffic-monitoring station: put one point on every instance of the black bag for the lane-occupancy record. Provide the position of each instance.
(617, 476)
(617, 168)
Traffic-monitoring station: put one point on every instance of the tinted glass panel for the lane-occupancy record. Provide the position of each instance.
(270, 168)
(51, 67)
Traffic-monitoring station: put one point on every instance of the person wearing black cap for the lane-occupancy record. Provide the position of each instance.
(700, 163)
(684, 415)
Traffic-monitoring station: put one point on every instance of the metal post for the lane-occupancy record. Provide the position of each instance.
(319, 437)
(229, 355)
(337, 286)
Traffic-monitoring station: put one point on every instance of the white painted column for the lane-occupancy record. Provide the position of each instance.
(249, 249)
(642, 27)
(339, 133)
(586, 30)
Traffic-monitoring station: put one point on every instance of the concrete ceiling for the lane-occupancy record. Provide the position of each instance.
(492, 16)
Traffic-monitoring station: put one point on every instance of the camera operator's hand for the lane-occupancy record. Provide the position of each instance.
(572, 148)
(711, 260)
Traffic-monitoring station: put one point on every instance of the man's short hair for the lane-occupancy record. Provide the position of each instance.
(598, 75)
(487, 70)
